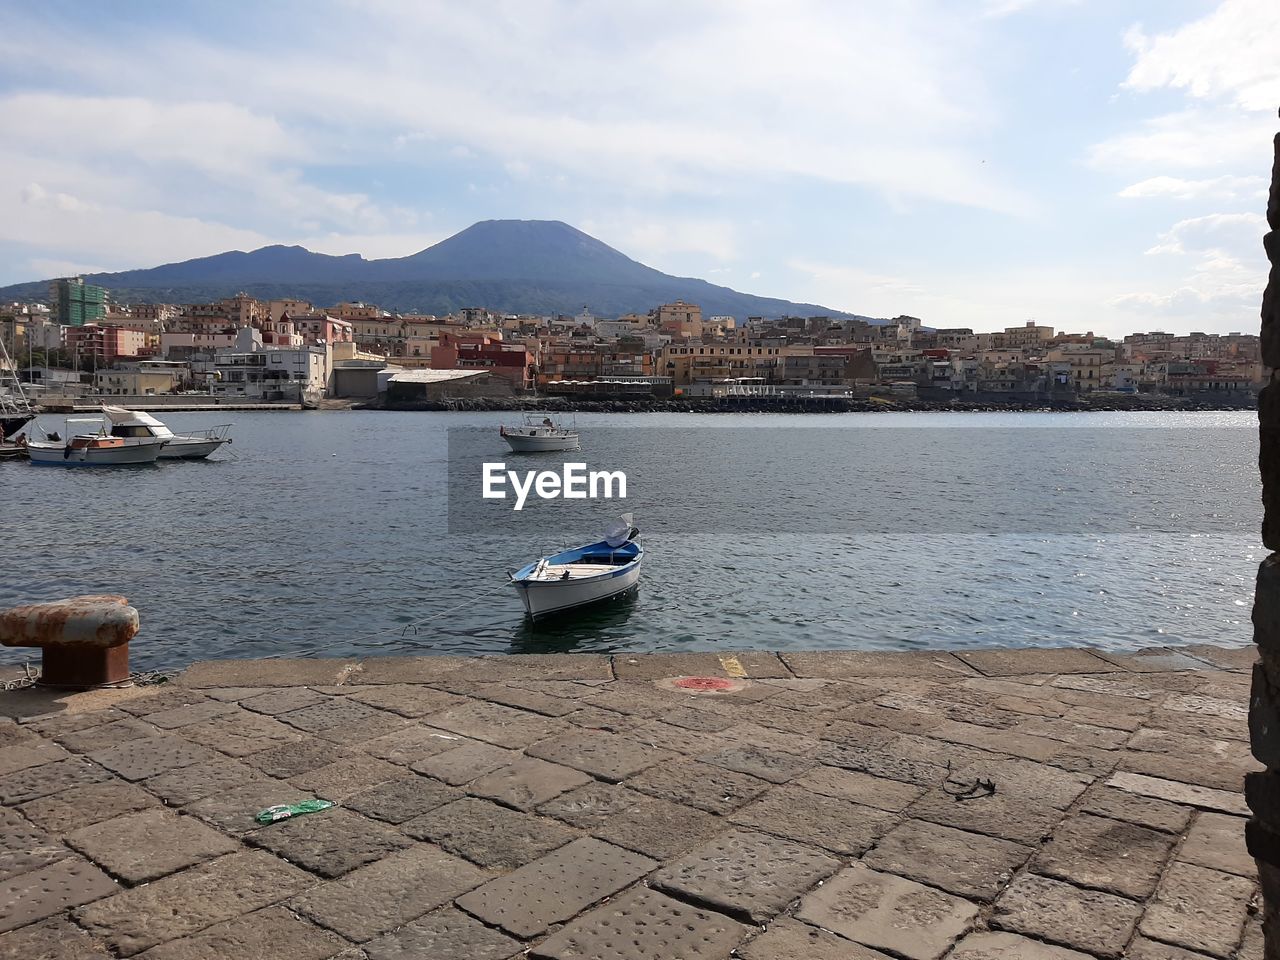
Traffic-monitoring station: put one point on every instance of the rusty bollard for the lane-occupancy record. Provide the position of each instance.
(84, 641)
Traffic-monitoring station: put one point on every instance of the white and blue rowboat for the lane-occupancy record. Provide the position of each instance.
(588, 574)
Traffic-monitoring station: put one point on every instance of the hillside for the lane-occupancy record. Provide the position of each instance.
(511, 266)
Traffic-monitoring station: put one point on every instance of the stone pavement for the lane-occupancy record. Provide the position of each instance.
(1030, 805)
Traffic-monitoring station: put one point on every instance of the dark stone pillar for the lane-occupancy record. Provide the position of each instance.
(1263, 789)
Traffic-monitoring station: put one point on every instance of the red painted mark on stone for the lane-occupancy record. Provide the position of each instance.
(704, 683)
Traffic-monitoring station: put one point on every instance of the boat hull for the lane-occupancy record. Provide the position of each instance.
(182, 449)
(57, 454)
(543, 598)
(526, 444)
(12, 423)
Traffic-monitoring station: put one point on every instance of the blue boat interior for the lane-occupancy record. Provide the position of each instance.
(600, 553)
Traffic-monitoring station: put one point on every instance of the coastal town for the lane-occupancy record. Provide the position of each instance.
(83, 344)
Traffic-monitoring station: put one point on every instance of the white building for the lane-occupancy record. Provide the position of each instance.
(256, 374)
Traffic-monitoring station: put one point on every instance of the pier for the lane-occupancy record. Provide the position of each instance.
(1038, 804)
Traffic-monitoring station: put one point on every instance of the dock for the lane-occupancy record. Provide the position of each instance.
(1038, 804)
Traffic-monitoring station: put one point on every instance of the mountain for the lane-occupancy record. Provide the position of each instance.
(511, 266)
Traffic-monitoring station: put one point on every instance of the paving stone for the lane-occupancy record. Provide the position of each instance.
(331, 842)
(512, 696)
(187, 902)
(86, 805)
(1217, 841)
(143, 846)
(526, 666)
(466, 763)
(283, 700)
(233, 694)
(745, 874)
(555, 887)
(24, 756)
(188, 784)
(766, 764)
(1143, 949)
(527, 783)
(400, 800)
(346, 777)
(966, 864)
(362, 731)
(859, 787)
(888, 913)
(399, 888)
(658, 828)
(1152, 660)
(1106, 855)
(1145, 811)
(1198, 725)
(410, 744)
(13, 735)
(443, 934)
(242, 733)
(53, 939)
(404, 669)
(488, 834)
(699, 785)
(1227, 658)
(233, 810)
(24, 846)
(1069, 731)
(34, 782)
(877, 760)
(829, 822)
(311, 672)
(42, 893)
(291, 759)
(1187, 794)
(688, 718)
(837, 664)
(603, 755)
(106, 735)
(653, 733)
(657, 666)
(176, 717)
(1009, 946)
(407, 699)
(645, 925)
(999, 815)
(151, 756)
(1104, 686)
(1212, 706)
(166, 697)
(270, 933)
(1098, 923)
(494, 723)
(1199, 909)
(593, 805)
(331, 712)
(1218, 775)
(788, 939)
(1004, 663)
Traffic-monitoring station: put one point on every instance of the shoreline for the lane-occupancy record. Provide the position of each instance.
(813, 405)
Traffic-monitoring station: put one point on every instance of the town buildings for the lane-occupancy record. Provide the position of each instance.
(248, 348)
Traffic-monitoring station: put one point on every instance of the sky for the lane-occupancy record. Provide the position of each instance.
(1094, 165)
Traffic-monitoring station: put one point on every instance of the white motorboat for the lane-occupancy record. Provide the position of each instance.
(93, 449)
(539, 436)
(195, 445)
(584, 575)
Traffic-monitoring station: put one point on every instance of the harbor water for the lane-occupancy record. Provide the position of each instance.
(364, 533)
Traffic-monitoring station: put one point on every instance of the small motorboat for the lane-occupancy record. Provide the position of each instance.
(96, 449)
(539, 436)
(195, 445)
(584, 575)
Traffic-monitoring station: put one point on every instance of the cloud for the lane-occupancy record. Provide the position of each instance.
(1219, 270)
(654, 240)
(996, 9)
(1229, 54)
(1217, 188)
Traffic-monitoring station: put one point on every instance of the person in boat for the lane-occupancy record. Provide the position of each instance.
(546, 422)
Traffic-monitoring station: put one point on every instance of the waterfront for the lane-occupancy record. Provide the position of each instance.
(327, 532)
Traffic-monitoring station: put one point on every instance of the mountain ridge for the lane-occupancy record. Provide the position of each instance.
(510, 266)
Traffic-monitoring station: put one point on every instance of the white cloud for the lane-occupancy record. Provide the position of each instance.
(995, 9)
(1219, 271)
(1216, 188)
(1229, 54)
